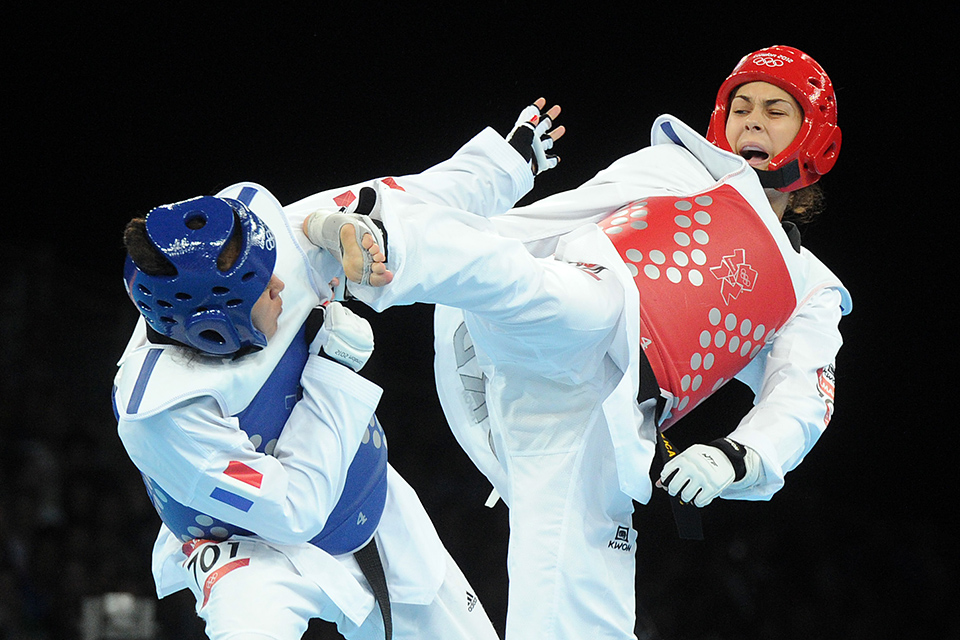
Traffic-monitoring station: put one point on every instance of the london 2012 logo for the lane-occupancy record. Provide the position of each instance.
(770, 60)
(735, 275)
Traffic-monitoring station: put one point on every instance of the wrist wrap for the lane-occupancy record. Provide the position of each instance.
(736, 453)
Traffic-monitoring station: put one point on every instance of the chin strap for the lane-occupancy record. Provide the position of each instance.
(780, 178)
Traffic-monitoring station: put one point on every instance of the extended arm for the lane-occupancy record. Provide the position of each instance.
(486, 176)
(489, 174)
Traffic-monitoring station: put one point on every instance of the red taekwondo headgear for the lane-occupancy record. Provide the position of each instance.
(814, 151)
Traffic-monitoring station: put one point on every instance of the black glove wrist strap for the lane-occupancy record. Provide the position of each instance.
(522, 141)
(736, 453)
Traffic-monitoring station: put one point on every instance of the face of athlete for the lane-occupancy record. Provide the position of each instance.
(268, 307)
(762, 121)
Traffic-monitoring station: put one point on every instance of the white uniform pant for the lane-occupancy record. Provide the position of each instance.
(545, 324)
(572, 548)
(264, 596)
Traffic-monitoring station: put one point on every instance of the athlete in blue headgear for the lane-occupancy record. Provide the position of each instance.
(258, 442)
(214, 259)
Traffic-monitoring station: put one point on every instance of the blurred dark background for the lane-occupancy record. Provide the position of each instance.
(117, 110)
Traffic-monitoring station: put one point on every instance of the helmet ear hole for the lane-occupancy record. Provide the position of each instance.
(212, 336)
(827, 157)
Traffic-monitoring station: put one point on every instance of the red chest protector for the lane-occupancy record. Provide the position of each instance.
(713, 288)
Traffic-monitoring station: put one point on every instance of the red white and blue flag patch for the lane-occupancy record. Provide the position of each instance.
(242, 473)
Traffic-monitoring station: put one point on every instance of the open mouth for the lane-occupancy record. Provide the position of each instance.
(754, 155)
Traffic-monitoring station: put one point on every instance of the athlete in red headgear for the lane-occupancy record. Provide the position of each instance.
(571, 331)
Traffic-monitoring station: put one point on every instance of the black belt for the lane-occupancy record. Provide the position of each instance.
(685, 514)
(368, 557)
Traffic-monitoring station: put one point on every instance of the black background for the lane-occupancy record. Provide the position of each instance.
(115, 111)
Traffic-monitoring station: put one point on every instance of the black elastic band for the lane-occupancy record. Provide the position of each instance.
(368, 557)
(313, 323)
(366, 201)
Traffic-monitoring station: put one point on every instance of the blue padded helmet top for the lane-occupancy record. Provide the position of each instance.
(202, 306)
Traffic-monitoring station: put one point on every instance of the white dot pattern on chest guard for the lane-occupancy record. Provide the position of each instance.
(685, 258)
(671, 246)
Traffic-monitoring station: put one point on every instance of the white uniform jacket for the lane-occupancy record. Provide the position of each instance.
(175, 422)
(790, 377)
(537, 356)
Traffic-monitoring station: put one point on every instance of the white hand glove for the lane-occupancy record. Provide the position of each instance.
(530, 138)
(698, 474)
(344, 337)
(703, 471)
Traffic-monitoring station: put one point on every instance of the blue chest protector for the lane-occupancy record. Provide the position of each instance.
(354, 518)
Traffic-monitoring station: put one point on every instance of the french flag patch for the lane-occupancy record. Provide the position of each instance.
(242, 473)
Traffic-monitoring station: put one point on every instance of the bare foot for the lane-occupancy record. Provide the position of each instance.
(353, 258)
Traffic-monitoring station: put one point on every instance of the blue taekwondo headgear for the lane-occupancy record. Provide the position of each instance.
(201, 306)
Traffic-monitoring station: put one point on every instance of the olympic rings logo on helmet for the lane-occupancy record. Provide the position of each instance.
(768, 61)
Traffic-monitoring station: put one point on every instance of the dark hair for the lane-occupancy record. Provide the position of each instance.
(805, 205)
(142, 251)
(151, 260)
